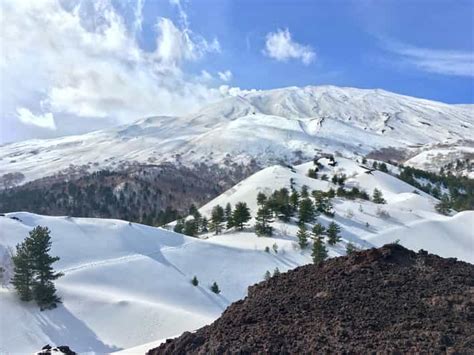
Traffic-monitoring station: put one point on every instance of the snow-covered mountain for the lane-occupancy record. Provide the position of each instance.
(286, 124)
(127, 284)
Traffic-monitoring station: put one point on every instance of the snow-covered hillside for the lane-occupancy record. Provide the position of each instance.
(268, 126)
(129, 284)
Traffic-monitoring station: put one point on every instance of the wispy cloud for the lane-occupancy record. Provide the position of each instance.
(279, 45)
(446, 62)
(225, 75)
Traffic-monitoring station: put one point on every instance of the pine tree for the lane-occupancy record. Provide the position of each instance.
(191, 227)
(351, 249)
(23, 271)
(217, 218)
(302, 236)
(323, 204)
(261, 199)
(264, 217)
(333, 233)
(312, 173)
(195, 281)
(204, 224)
(304, 191)
(275, 248)
(228, 216)
(306, 211)
(215, 288)
(319, 252)
(444, 205)
(377, 197)
(383, 167)
(193, 211)
(44, 291)
(241, 215)
(279, 204)
(276, 272)
(267, 275)
(317, 231)
(294, 200)
(179, 226)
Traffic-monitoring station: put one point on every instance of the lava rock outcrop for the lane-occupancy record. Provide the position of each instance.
(386, 300)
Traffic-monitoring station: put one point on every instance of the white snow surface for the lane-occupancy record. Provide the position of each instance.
(127, 284)
(268, 126)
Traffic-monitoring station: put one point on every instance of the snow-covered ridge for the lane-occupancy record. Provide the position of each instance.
(127, 284)
(269, 126)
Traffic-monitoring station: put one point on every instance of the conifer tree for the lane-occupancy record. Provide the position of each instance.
(302, 236)
(33, 272)
(228, 215)
(276, 272)
(23, 271)
(317, 231)
(333, 233)
(279, 203)
(217, 218)
(241, 215)
(383, 167)
(267, 275)
(44, 291)
(191, 227)
(275, 248)
(444, 205)
(193, 211)
(179, 226)
(306, 211)
(261, 199)
(215, 288)
(264, 218)
(204, 225)
(304, 191)
(319, 252)
(323, 204)
(377, 197)
(294, 200)
(195, 281)
(351, 249)
(312, 173)
(331, 193)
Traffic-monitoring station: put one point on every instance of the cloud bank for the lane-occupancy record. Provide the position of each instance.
(63, 61)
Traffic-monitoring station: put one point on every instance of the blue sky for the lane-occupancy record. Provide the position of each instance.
(351, 40)
(72, 66)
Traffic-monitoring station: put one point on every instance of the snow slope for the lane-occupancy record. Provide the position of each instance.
(268, 126)
(126, 284)
(129, 284)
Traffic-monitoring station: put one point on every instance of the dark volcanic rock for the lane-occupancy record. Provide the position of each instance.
(49, 350)
(386, 300)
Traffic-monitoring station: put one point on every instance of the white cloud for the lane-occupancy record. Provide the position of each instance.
(225, 75)
(206, 76)
(83, 61)
(44, 121)
(447, 62)
(280, 46)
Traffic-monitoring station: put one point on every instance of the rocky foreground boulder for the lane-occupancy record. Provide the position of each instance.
(382, 300)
